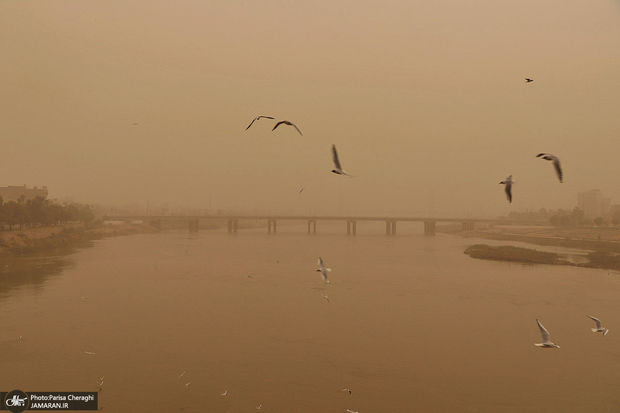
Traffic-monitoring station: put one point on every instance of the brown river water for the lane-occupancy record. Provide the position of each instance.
(412, 325)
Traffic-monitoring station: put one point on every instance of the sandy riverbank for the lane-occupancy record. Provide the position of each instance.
(601, 239)
(44, 239)
(603, 243)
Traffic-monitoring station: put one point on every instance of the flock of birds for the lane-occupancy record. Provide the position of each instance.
(546, 156)
(508, 182)
(547, 343)
(337, 167)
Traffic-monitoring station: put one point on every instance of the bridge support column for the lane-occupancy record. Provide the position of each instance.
(468, 225)
(269, 223)
(312, 223)
(193, 225)
(232, 225)
(390, 227)
(429, 227)
(351, 227)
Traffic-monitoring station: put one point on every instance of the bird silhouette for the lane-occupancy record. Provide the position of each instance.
(286, 122)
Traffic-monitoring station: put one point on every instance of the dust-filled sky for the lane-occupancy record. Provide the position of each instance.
(119, 102)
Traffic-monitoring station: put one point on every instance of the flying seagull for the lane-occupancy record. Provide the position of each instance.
(508, 182)
(528, 80)
(347, 390)
(326, 297)
(286, 122)
(556, 163)
(225, 393)
(257, 118)
(599, 328)
(545, 336)
(338, 169)
(323, 271)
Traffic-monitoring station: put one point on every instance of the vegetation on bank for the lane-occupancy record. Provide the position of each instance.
(597, 259)
(39, 212)
(21, 244)
(510, 253)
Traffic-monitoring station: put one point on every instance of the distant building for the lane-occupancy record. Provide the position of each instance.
(593, 204)
(13, 193)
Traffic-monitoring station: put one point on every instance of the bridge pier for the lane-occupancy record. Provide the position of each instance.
(390, 227)
(269, 223)
(193, 225)
(429, 227)
(351, 227)
(232, 225)
(312, 223)
(468, 225)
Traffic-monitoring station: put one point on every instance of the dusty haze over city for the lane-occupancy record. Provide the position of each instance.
(120, 102)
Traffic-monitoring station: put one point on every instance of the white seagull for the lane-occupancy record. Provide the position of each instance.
(257, 118)
(187, 384)
(556, 163)
(545, 336)
(347, 390)
(338, 169)
(599, 328)
(323, 271)
(326, 297)
(508, 182)
(225, 393)
(286, 122)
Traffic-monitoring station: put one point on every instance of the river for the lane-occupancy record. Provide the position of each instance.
(172, 321)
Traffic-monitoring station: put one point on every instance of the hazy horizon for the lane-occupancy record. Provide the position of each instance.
(129, 102)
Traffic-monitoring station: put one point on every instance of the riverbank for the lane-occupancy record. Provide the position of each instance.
(600, 239)
(509, 253)
(30, 241)
(602, 243)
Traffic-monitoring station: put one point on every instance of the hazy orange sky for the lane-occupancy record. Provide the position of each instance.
(426, 102)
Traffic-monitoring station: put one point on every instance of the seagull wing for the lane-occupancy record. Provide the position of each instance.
(251, 123)
(558, 168)
(543, 332)
(508, 187)
(278, 124)
(295, 126)
(597, 321)
(335, 157)
(320, 263)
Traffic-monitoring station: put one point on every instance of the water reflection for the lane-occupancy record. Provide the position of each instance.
(33, 271)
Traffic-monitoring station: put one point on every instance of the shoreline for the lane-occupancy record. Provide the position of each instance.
(33, 241)
(601, 244)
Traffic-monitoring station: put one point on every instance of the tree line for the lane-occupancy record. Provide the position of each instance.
(39, 212)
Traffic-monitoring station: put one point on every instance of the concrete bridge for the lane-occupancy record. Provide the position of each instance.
(193, 222)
